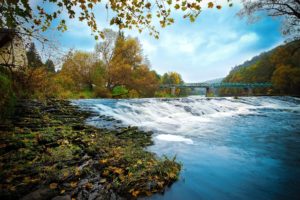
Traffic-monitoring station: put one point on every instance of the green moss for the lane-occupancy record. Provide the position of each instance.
(54, 154)
(8, 97)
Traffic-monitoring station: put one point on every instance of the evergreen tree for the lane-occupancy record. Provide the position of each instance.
(50, 65)
(34, 59)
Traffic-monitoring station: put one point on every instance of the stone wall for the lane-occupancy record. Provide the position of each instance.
(13, 53)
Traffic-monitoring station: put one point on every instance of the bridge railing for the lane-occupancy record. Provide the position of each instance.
(217, 85)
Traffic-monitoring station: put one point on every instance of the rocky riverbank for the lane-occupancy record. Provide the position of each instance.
(48, 152)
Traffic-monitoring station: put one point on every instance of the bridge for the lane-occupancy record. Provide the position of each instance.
(248, 87)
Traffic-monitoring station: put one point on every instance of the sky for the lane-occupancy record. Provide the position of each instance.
(206, 49)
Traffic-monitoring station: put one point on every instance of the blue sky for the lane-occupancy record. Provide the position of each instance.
(199, 51)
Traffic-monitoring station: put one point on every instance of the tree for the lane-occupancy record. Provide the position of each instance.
(289, 9)
(286, 79)
(144, 81)
(34, 59)
(127, 56)
(105, 49)
(50, 65)
(172, 78)
(80, 67)
(139, 14)
(279, 66)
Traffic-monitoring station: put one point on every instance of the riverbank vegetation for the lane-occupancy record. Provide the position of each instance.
(280, 66)
(116, 68)
(47, 151)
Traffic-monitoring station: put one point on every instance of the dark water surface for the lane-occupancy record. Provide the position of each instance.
(247, 148)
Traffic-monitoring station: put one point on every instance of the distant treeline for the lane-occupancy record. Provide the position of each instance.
(280, 66)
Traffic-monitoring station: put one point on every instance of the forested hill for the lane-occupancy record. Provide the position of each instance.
(281, 66)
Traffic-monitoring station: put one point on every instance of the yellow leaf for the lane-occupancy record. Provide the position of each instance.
(103, 180)
(139, 162)
(135, 193)
(73, 184)
(103, 161)
(210, 5)
(53, 186)
(122, 178)
(105, 173)
(65, 174)
(77, 172)
(118, 170)
(172, 175)
(62, 191)
(89, 186)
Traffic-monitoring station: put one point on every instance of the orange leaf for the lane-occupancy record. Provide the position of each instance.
(135, 193)
(53, 186)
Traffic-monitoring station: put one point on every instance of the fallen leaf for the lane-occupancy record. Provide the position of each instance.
(135, 193)
(103, 161)
(53, 186)
(103, 180)
(77, 172)
(73, 184)
(65, 174)
(105, 173)
(118, 170)
(89, 186)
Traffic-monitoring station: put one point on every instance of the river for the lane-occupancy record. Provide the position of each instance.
(245, 148)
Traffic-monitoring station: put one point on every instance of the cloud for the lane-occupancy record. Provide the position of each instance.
(203, 50)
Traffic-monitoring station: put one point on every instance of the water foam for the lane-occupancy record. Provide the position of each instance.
(174, 138)
(184, 116)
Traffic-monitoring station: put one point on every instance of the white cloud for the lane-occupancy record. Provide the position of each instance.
(148, 48)
(206, 49)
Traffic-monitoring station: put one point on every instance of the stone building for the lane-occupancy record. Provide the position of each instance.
(12, 50)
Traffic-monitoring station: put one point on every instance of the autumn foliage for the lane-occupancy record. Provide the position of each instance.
(281, 67)
(116, 68)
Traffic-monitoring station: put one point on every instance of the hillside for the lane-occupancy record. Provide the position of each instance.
(281, 66)
(217, 80)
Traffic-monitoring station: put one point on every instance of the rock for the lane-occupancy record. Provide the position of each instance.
(85, 164)
(83, 182)
(66, 197)
(113, 196)
(93, 196)
(40, 194)
(83, 195)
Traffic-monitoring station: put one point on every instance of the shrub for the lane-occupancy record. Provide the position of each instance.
(119, 92)
(8, 98)
(102, 92)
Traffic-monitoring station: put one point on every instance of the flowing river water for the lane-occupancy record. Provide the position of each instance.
(246, 148)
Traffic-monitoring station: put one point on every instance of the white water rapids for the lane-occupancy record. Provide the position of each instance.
(179, 119)
(245, 148)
